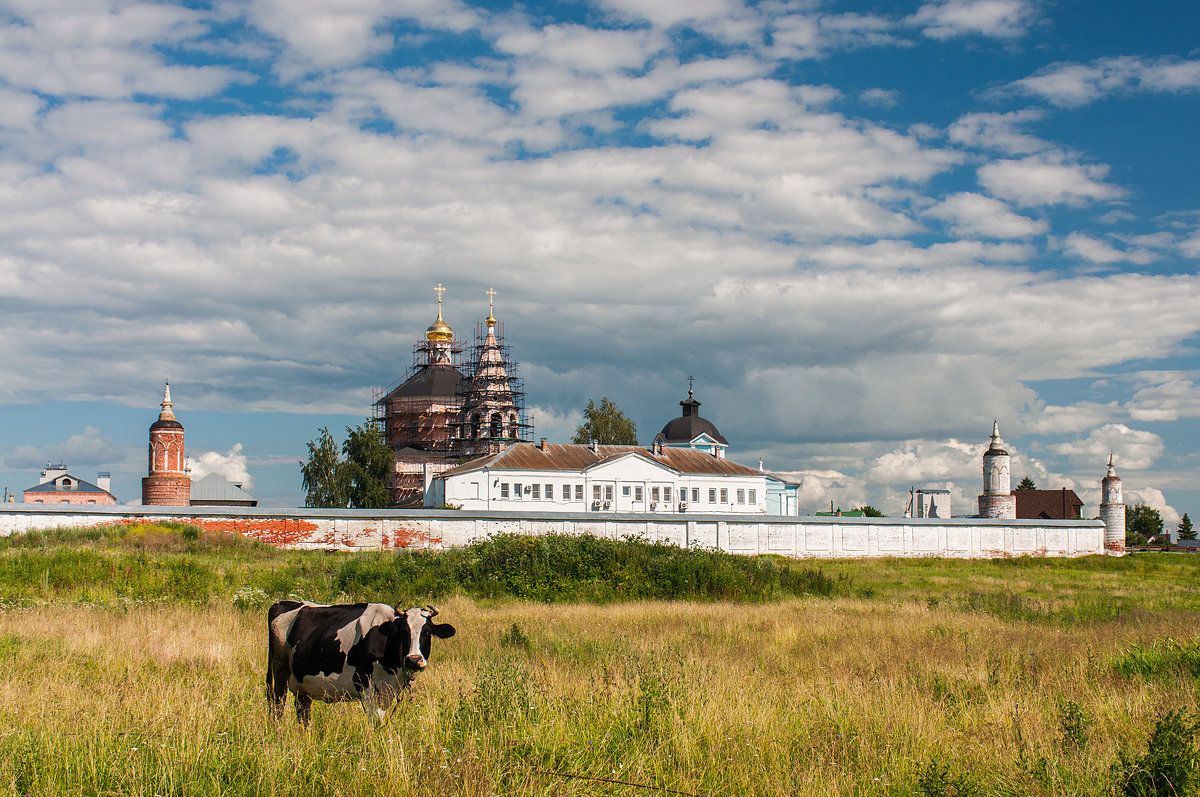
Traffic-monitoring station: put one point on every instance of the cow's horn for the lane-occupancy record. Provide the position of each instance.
(432, 610)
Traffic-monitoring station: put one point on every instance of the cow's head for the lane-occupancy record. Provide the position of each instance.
(421, 629)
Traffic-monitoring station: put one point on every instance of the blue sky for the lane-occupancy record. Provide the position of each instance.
(866, 229)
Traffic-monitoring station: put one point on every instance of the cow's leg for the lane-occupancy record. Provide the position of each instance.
(303, 708)
(277, 681)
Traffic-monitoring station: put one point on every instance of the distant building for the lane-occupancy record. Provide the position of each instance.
(57, 486)
(997, 500)
(216, 490)
(1112, 510)
(450, 406)
(689, 430)
(595, 478)
(1061, 504)
(166, 482)
(932, 503)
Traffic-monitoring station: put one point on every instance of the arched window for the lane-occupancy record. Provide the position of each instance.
(497, 429)
(475, 426)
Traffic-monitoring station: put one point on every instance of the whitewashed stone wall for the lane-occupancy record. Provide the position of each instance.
(800, 537)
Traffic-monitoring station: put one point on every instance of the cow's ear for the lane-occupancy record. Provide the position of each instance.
(442, 630)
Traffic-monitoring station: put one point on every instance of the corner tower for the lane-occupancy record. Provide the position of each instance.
(167, 482)
(997, 500)
(1112, 511)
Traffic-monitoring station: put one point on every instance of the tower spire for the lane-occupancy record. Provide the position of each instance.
(167, 413)
(439, 331)
(491, 319)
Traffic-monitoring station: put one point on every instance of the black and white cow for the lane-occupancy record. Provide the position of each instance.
(363, 651)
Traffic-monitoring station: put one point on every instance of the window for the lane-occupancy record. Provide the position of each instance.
(516, 489)
(504, 489)
(549, 492)
(537, 491)
(595, 492)
(753, 499)
(637, 493)
(578, 492)
(667, 494)
(741, 496)
(695, 495)
(608, 492)
(724, 496)
(712, 495)
(91, 500)
(625, 491)
(654, 494)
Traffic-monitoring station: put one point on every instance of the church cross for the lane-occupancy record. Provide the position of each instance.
(691, 382)
(439, 290)
(491, 294)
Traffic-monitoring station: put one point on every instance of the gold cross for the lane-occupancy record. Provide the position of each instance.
(439, 290)
(491, 294)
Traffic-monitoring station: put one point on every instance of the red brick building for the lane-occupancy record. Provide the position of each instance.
(57, 486)
(167, 482)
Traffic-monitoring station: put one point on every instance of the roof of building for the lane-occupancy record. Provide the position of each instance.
(688, 426)
(77, 486)
(215, 487)
(1061, 504)
(575, 457)
(439, 380)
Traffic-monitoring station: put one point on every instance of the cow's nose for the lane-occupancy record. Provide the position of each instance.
(415, 662)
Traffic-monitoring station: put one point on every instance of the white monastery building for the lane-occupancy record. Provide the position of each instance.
(684, 470)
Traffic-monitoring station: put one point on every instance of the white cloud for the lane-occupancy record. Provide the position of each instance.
(1075, 84)
(231, 466)
(975, 215)
(1095, 250)
(999, 131)
(1048, 179)
(882, 98)
(1171, 396)
(1004, 19)
(91, 447)
(1133, 449)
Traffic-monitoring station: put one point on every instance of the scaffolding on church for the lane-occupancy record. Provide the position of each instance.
(418, 411)
(492, 400)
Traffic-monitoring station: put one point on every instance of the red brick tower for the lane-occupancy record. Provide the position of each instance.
(167, 482)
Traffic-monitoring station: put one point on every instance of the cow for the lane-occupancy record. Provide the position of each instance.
(363, 651)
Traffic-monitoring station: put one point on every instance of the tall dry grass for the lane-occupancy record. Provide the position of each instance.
(818, 697)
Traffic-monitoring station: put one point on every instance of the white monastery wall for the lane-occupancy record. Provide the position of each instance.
(800, 537)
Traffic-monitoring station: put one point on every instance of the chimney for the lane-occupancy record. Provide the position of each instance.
(760, 465)
(595, 446)
(543, 444)
(104, 481)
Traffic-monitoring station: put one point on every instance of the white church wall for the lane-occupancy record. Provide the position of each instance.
(801, 537)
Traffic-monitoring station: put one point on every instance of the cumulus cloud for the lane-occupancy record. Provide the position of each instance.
(1169, 397)
(1004, 19)
(1134, 449)
(999, 131)
(91, 447)
(1075, 84)
(231, 465)
(1096, 250)
(1048, 179)
(972, 215)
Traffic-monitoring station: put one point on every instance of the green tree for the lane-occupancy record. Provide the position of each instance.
(606, 425)
(869, 511)
(1185, 531)
(324, 477)
(359, 479)
(1027, 484)
(1141, 523)
(368, 465)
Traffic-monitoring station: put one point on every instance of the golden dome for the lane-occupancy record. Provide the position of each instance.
(439, 331)
(491, 319)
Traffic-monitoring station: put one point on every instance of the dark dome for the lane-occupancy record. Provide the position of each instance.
(433, 381)
(995, 452)
(165, 424)
(688, 428)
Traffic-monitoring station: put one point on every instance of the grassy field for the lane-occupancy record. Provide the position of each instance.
(133, 663)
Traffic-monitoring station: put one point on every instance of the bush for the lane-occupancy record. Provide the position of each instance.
(1168, 767)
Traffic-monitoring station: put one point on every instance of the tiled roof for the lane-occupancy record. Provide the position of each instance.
(78, 486)
(1049, 504)
(528, 456)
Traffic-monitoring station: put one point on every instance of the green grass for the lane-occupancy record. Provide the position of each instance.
(133, 661)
